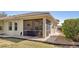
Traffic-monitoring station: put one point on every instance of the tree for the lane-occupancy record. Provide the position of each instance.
(3, 14)
(70, 28)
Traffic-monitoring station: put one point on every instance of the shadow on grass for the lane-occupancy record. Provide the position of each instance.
(12, 39)
(17, 40)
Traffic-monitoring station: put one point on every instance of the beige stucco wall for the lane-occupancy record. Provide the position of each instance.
(13, 32)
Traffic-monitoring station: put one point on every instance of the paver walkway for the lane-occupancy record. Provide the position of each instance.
(59, 40)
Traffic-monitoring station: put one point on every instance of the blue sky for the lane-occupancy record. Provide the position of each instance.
(61, 15)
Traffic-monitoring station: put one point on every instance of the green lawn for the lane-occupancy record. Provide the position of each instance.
(19, 43)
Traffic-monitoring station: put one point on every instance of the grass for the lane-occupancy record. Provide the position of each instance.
(19, 43)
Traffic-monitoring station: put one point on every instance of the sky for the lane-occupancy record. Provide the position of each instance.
(61, 15)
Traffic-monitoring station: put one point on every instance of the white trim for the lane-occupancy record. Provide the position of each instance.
(44, 27)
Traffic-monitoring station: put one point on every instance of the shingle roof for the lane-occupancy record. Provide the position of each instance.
(23, 15)
(27, 15)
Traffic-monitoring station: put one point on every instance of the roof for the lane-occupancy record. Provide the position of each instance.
(30, 15)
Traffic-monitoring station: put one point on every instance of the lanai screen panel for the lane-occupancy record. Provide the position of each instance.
(48, 28)
(33, 27)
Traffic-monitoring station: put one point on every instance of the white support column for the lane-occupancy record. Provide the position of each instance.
(44, 27)
(22, 22)
(51, 28)
(54, 29)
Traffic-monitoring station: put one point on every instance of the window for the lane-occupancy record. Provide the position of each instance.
(15, 26)
(10, 26)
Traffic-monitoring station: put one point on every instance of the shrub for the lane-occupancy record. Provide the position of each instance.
(70, 28)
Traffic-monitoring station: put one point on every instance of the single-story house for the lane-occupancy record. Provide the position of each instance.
(35, 24)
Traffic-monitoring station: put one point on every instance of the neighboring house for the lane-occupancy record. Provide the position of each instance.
(35, 24)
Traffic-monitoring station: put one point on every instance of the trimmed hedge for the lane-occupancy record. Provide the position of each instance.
(70, 28)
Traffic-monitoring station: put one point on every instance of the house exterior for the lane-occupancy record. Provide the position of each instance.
(35, 24)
